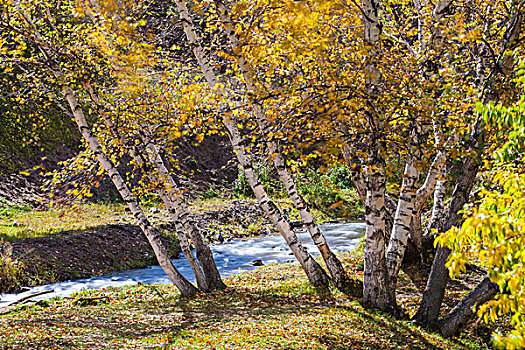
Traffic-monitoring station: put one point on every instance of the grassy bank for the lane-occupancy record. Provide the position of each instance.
(18, 222)
(273, 307)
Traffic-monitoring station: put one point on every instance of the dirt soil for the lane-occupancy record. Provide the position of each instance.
(20, 190)
(201, 167)
(82, 254)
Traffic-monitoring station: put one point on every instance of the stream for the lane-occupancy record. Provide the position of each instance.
(231, 258)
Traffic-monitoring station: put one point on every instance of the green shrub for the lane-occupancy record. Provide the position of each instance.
(8, 210)
(211, 192)
(341, 176)
(331, 193)
(268, 178)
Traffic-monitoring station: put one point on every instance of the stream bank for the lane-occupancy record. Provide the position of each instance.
(231, 258)
(118, 246)
(79, 254)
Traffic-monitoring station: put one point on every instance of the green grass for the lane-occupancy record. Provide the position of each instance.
(34, 223)
(273, 307)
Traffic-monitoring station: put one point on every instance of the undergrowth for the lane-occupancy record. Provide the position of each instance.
(11, 271)
(330, 192)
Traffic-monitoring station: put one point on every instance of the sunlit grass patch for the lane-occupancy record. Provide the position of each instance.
(18, 222)
(33, 223)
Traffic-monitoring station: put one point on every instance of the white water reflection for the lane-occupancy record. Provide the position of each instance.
(231, 257)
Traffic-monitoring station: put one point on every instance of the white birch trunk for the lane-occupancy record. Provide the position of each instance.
(376, 289)
(180, 208)
(433, 183)
(184, 243)
(436, 181)
(434, 175)
(313, 270)
(163, 193)
(401, 230)
(153, 235)
(411, 200)
(438, 209)
(332, 262)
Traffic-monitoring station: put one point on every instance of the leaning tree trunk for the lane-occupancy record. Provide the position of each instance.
(423, 193)
(401, 230)
(434, 182)
(185, 244)
(438, 208)
(178, 209)
(428, 311)
(333, 264)
(313, 270)
(142, 163)
(153, 235)
(204, 253)
(465, 310)
(486, 290)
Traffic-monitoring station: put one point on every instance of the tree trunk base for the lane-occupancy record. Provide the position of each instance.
(464, 311)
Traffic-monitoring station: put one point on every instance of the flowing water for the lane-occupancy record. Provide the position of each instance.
(230, 257)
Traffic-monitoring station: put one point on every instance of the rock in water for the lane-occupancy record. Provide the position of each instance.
(257, 262)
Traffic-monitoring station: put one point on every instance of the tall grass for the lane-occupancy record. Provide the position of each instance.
(11, 274)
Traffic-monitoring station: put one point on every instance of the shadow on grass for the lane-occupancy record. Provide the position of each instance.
(147, 315)
(393, 326)
(157, 316)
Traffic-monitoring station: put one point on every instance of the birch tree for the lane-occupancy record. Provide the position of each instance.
(333, 264)
(391, 90)
(146, 155)
(313, 270)
(145, 152)
(37, 27)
